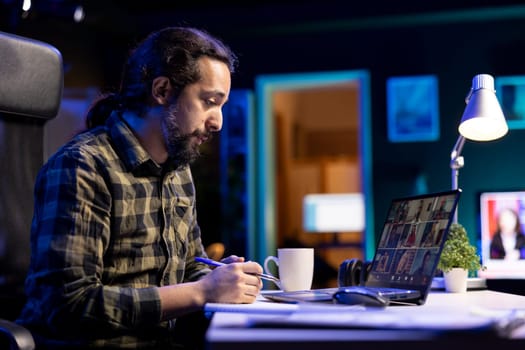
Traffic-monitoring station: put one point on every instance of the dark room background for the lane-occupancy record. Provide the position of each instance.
(452, 41)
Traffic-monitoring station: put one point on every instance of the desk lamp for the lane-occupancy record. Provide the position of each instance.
(482, 120)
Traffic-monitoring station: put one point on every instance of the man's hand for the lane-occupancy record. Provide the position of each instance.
(234, 282)
(232, 259)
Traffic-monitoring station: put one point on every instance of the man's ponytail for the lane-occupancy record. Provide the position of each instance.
(101, 109)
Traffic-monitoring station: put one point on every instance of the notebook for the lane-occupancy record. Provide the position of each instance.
(407, 252)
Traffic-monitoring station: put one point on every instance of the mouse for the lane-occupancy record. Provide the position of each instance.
(359, 296)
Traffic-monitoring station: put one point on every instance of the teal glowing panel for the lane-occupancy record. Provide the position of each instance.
(510, 91)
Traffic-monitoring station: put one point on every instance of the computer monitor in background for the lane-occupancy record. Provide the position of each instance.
(498, 253)
(341, 212)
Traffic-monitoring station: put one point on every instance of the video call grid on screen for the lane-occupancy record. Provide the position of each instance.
(413, 233)
(491, 206)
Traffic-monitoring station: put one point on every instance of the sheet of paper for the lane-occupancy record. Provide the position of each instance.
(479, 320)
(263, 306)
(259, 307)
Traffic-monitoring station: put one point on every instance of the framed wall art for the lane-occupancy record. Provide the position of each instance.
(412, 108)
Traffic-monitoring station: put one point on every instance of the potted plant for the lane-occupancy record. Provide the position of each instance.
(457, 259)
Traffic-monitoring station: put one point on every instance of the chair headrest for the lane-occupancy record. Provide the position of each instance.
(31, 77)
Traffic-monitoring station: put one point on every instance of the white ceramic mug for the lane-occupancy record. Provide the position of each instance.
(295, 267)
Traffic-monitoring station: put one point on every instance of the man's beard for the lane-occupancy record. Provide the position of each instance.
(182, 150)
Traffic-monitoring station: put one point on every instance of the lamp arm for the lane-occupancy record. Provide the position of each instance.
(457, 162)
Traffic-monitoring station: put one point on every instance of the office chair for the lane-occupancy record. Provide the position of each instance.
(31, 86)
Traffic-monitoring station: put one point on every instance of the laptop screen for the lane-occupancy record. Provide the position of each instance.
(412, 240)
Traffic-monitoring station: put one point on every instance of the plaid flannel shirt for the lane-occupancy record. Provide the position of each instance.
(109, 227)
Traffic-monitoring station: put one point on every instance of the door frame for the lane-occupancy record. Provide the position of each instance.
(261, 162)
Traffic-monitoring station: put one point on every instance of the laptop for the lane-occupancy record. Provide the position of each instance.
(406, 256)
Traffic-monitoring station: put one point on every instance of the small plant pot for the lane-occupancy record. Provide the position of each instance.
(456, 280)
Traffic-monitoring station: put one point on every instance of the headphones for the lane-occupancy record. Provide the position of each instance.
(353, 272)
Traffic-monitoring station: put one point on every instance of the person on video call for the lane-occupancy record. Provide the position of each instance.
(115, 232)
(508, 242)
(422, 272)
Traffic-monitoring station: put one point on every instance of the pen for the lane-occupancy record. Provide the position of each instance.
(208, 261)
(211, 262)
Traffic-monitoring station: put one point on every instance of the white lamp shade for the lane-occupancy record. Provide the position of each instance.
(483, 119)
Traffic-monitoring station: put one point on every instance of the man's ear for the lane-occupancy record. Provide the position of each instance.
(161, 90)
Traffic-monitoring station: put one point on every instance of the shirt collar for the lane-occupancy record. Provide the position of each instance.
(135, 158)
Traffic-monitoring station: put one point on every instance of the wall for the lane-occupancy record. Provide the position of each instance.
(455, 46)
(454, 51)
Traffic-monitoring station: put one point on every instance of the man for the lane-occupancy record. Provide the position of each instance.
(115, 233)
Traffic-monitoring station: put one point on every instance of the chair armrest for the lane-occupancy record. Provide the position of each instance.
(19, 337)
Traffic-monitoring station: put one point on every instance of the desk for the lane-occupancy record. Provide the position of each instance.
(229, 330)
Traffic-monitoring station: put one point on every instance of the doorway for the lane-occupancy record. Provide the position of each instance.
(312, 135)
